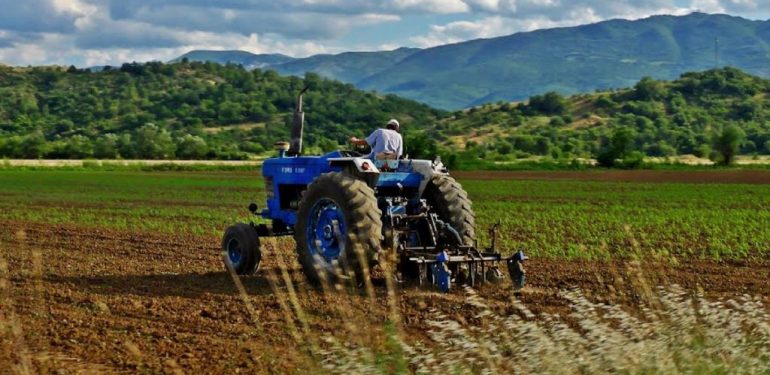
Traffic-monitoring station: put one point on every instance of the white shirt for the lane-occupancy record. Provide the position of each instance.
(385, 140)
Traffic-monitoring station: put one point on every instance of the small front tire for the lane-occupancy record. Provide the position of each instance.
(240, 249)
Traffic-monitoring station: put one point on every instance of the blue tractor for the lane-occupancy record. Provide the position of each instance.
(348, 213)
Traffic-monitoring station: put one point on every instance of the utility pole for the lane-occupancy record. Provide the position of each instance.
(716, 52)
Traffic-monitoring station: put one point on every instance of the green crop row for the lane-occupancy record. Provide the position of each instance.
(561, 219)
(588, 219)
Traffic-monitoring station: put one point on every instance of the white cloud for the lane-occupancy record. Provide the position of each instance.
(111, 31)
(709, 6)
(77, 7)
(57, 49)
(432, 6)
(493, 26)
(504, 17)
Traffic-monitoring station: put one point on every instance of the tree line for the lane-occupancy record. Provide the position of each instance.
(203, 110)
(714, 114)
(185, 110)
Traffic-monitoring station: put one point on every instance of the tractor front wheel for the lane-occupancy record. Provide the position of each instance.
(240, 249)
(338, 226)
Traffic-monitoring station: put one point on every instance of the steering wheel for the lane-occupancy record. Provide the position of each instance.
(361, 148)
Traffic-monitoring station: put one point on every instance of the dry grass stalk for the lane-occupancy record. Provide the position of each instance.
(686, 334)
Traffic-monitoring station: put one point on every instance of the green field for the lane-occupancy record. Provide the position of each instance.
(548, 218)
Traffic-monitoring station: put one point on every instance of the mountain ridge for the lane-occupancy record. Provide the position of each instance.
(602, 55)
(247, 59)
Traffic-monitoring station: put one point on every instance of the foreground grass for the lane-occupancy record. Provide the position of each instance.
(677, 332)
(583, 219)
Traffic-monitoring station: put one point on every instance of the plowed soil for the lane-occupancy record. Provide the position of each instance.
(95, 300)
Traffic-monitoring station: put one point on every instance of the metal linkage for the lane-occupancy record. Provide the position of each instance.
(438, 254)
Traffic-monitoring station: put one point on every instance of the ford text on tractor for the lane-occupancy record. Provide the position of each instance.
(347, 213)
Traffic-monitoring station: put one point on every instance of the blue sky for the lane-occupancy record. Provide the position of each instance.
(96, 32)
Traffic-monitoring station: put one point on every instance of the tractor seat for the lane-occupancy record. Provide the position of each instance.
(386, 161)
(385, 156)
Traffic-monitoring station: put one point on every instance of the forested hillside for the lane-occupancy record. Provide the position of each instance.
(183, 110)
(210, 111)
(703, 113)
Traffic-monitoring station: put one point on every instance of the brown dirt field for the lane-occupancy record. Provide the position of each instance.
(102, 301)
(715, 177)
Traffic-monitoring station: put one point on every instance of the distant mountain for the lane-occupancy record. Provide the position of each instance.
(615, 53)
(247, 59)
(349, 67)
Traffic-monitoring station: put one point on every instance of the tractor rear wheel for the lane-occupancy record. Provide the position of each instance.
(453, 206)
(338, 223)
(240, 249)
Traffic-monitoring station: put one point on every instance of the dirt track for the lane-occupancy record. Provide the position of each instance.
(103, 301)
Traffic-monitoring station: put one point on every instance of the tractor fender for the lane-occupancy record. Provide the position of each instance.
(361, 168)
(427, 169)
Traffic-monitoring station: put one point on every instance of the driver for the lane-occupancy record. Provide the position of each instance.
(385, 143)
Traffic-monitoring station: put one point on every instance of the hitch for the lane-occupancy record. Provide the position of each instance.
(450, 262)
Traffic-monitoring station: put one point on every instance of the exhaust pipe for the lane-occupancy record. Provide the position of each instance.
(297, 127)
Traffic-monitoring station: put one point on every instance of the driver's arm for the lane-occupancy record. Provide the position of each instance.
(370, 140)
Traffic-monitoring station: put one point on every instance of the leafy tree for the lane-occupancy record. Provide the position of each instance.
(619, 146)
(551, 103)
(11, 146)
(154, 143)
(703, 151)
(126, 146)
(525, 143)
(605, 102)
(727, 142)
(649, 89)
(33, 146)
(504, 148)
(543, 146)
(106, 147)
(420, 146)
(75, 147)
(192, 147)
(661, 148)
(230, 113)
(557, 121)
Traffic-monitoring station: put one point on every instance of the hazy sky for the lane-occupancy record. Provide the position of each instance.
(96, 32)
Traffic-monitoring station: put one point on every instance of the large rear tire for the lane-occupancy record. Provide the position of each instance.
(338, 223)
(453, 206)
(240, 249)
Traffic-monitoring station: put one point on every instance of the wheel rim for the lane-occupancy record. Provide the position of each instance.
(234, 252)
(326, 230)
